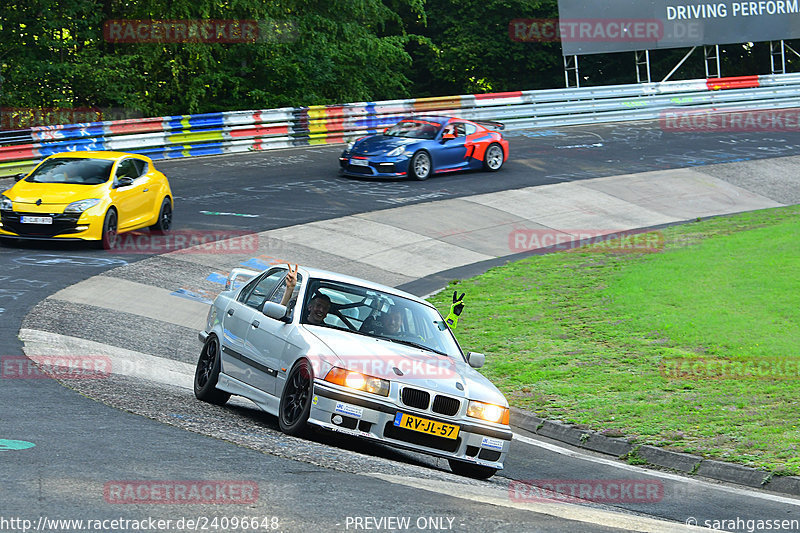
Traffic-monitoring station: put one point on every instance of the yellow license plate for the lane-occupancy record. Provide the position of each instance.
(423, 425)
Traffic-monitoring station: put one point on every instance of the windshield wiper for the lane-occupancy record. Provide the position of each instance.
(414, 345)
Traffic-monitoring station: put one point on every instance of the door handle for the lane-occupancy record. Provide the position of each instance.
(230, 312)
(254, 323)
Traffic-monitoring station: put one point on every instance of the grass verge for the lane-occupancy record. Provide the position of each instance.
(695, 348)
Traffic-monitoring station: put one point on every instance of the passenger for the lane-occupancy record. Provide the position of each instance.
(393, 323)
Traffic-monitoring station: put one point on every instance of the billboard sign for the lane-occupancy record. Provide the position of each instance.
(625, 25)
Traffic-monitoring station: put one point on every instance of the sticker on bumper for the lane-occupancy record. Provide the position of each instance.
(349, 410)
(492, 444)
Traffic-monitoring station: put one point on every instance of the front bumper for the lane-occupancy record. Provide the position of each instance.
(64, 226)
(380, 167)
(477, 443)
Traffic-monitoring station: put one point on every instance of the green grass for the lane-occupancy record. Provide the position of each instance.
(584, 337)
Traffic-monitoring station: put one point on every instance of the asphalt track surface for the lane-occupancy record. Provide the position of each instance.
(324, 483)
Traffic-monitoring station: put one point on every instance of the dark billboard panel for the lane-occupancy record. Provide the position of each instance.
(603, 26)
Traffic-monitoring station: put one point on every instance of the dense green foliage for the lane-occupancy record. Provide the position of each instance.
(53, 54)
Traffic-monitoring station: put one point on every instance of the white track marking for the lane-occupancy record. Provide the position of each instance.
(578, 513)
(772, 497)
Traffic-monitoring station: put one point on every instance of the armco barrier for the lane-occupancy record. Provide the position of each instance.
(244, 131)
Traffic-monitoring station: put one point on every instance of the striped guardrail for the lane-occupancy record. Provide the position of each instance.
(244, 131)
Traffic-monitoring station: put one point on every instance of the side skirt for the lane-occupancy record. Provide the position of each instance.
(265, 401)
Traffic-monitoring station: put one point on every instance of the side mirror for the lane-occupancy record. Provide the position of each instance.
(275, 311)
(475, 359)
(124, 181)
(19, 176)
(448, 136)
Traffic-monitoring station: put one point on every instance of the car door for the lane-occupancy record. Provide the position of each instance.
(124, 197)
(453, 151)
(131, 200)
(270, 341)
(238, 356)
(151, 203)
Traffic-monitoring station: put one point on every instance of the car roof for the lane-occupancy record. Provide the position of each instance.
(425, 118)
(441, 120)
(97, 155)
(344, 278)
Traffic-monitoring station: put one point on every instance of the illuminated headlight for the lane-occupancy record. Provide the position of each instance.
(358, 381)
(397, 151)
(488, 412)
(5, 203)
(81, 205)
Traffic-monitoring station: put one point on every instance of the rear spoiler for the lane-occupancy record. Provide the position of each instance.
(230, 283)
(491, 124)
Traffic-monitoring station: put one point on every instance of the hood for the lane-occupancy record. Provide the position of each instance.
(421, 368)
(380, 144)
(53, 193)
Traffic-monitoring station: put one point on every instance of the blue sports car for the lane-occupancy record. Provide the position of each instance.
(421, 146)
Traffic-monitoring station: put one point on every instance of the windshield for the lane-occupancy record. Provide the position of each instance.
(377, 314)
(73, 171)
(413, 129)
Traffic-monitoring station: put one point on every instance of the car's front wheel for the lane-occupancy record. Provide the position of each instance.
(164, 217)
(296, 399)
(420, 166)
(109, 237)
(493, 159)
(471, 470)
(207, 373)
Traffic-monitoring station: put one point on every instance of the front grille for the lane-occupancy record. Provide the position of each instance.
(62, 223)
(360, 170)
(445, 405)
(421, 439)
(415, 398)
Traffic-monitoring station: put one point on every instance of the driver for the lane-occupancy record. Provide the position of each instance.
(318, 306)
(318, 309)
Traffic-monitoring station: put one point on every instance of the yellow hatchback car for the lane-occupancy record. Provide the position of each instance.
(87, 196)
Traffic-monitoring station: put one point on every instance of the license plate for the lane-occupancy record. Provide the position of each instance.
(359, 162)
(37, 220)
(423, 425)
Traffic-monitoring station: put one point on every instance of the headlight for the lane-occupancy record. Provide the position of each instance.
(350, 146)
(358, 381)
(397, 151)
(5, 203)
(81, 205)
(488, 412)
